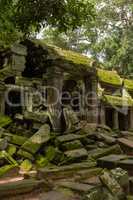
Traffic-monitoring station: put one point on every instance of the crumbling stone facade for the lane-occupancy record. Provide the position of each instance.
(33, 66)
(64, 117)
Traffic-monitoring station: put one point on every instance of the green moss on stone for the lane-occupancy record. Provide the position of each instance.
(5, 120)
(79, 63)
(26, 165)
(25, 154)
(5, 169)
(34, 143)
(16, 139)
(117, 101)
(50, 153)
(41, 161)
(109, 77)
(128, 83)
(11, 149)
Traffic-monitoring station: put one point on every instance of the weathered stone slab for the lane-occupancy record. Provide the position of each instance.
(126, 144)
(15, 139)
(88, 173)
(91, 147)
(126, 164)
(65, 170)
(36, 117)
(19, 187)
(110, 161)
(35, 142)
(122, 178)
(75, 186)
(98, 153)
(111, 184)
(6, 168)
(76, 144)
(69, 137)
(77, 154)
(25, 154)
(107, 139)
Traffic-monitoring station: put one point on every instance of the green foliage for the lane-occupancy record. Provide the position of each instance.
(8, 31)
(20, 18)
(108, 38)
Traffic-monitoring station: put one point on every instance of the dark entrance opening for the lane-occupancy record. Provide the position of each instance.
(109, 117)
(123, 121)
(10, 80)
(13, 103)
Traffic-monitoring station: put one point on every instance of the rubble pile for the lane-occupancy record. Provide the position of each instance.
(83, 151)
(63, 143)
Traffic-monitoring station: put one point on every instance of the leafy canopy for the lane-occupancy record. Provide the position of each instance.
(108, 38)
(28, 16)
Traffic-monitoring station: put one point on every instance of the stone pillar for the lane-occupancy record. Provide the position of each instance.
(131, 119)
(115, 120)
(91, 98)
(54, 94)
(28, 100)
(102, 115)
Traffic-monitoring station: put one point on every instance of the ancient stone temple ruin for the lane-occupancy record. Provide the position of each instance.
(38, 78)
(63, 120)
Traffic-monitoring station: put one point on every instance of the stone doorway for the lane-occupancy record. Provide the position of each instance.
(109, 117)
(13, 103)
(123, 121)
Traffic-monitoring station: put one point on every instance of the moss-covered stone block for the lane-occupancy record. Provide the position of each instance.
(25, 154)
(122, 177)
(5, 120)
(26, 165)
(76, 155)
(76, 144)
(11, 150)
(15, 139)
(34, 143)
(109, 77)
(128, 83)
(5, 169)
(69, 137)
(50, 153)
(117, 101)
(98, 153)
(111, 184)
(41, 161)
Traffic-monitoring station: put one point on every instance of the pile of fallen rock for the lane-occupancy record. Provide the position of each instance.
(80, 153)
